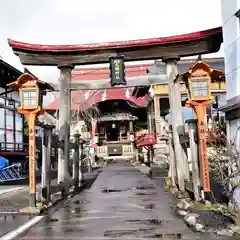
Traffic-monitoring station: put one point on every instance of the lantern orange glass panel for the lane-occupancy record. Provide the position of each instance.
(199, 88)
(30, 98)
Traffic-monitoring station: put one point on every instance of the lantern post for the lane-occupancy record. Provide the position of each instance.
(31, 91)
(199, 96)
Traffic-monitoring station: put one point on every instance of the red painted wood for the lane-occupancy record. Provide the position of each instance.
(115, 45)
(146, 140)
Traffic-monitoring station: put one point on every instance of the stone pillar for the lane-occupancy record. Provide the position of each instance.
(177, 121)
(64, 128)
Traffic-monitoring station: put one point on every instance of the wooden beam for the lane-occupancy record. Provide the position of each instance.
(146, 80)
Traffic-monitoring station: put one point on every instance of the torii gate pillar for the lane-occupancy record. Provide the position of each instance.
(177, 121)
(63, 125)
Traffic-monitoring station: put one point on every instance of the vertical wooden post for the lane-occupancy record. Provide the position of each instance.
(44, 166)
(176, 120)
(156, 147)
(131, 130)
(89, 162)
(172, 162)
(201, 113)
(150, 132)
(49, 167)
(228, 131)
(81, 174)
(46, 163)
(76, 159)
(156, 113)
(94, 126)
(32, 158)
(195, 169)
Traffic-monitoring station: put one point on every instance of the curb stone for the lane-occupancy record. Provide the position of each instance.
(9, 190)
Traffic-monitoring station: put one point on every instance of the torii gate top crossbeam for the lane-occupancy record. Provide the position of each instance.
(207, 41)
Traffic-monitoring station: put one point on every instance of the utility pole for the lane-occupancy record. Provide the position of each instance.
(177, 120)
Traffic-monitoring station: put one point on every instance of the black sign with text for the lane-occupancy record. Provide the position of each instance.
(117, 71)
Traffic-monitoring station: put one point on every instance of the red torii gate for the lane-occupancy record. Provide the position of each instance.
(65, 57)
(196, 43)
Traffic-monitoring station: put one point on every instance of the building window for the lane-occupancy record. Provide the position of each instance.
(11, 127)
(164, 106)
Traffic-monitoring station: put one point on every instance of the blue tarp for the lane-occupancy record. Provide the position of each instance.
(188, 113)
(3, 162)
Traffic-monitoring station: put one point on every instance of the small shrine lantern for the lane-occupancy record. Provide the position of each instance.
(198, 83)
(31, 91)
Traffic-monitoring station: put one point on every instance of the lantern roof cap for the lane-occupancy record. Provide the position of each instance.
(216, 74)
(27, 76)
(200, 64)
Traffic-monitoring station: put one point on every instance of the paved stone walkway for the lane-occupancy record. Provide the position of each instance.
(14, 201)
(121, 204)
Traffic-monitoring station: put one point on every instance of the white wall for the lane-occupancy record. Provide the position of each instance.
(231, 41)
(234, 133)
(231, 38)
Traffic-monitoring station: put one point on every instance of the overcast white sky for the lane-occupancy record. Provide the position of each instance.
(85, 21)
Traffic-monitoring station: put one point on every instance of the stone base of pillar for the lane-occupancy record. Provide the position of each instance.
(161, 154)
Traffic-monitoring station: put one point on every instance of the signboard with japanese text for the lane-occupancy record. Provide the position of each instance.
(117, 71)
